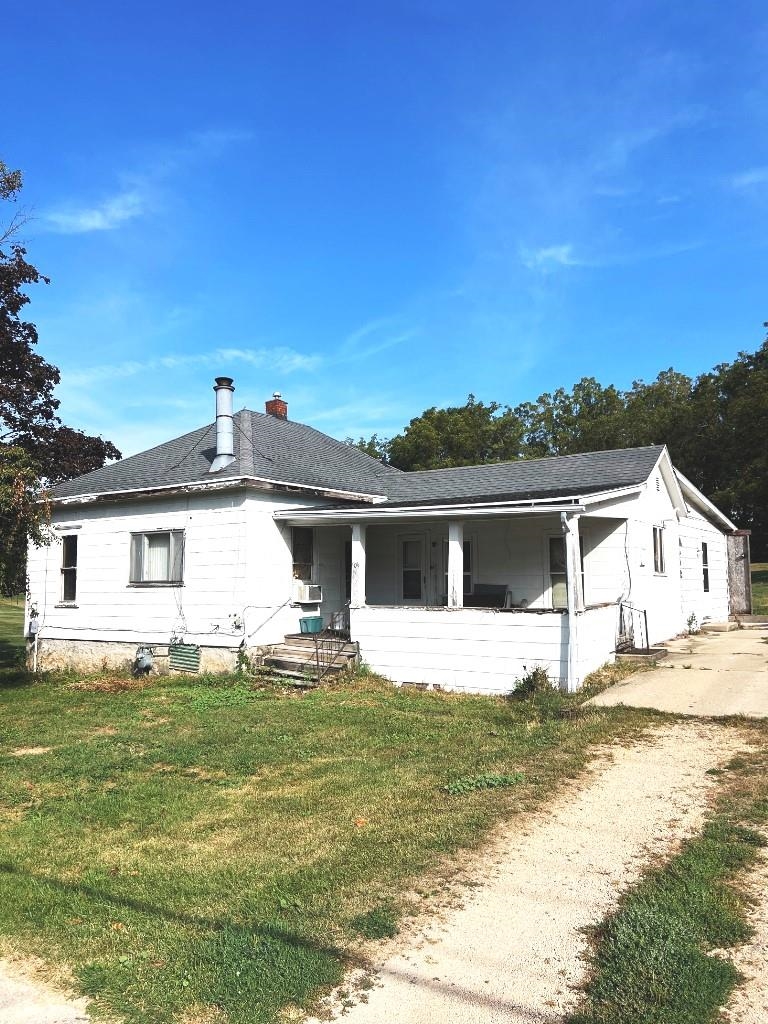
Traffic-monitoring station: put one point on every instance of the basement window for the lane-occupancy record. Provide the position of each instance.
(69, 569)
(157, 559)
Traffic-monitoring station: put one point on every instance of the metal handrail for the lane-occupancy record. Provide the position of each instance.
(626, 637)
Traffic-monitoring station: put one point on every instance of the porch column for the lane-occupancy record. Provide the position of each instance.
(570, 526)
(455, 565)
(357, 587)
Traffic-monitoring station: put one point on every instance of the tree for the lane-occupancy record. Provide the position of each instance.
(589, 418)
(463, 435)
(35, 447)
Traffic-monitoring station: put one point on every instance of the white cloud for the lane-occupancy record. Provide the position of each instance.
(549, 257)
(104, 216)
(282, 360)
(750, 178)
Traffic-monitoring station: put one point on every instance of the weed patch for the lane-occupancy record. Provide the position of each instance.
(472, 783)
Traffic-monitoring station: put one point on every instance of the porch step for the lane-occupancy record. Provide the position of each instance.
(307, 640)
(296, 659)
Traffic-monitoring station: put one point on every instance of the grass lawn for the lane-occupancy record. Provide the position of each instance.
(11, 629)
(199, 851)
(760, 588)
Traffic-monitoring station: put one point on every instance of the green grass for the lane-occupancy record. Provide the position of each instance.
(760, 588)
(652, 960)
(11, 631)
(196, 850)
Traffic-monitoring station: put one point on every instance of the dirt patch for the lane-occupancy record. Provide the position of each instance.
(109, 684)
(29, 751)
(514, 951)
(28, 996)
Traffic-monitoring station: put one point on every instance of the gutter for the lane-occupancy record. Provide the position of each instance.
(383, 515)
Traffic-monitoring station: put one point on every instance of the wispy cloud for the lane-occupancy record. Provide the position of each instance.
(106, 215)
(139, 190)
(549, 258)
(374, 337)
(751, 178)
(279, 359)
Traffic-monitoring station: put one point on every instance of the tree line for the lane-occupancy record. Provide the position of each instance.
(715, 426)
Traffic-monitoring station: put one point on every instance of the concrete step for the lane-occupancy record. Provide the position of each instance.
(285, 663)
(718, 627)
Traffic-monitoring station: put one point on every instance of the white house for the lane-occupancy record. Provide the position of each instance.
(225, 538)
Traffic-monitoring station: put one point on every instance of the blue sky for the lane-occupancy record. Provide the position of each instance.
(376, 207)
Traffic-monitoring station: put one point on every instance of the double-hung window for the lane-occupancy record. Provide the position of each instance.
(157, 558)
(705, 566)
(69, 568)
(658, 550)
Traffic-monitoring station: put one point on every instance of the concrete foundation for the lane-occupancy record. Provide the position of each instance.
(114, 656)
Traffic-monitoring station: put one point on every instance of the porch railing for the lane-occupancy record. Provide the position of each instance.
(330, 643)
(633, 629)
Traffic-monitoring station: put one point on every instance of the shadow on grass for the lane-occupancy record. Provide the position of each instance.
(91, 892)
(14, 676)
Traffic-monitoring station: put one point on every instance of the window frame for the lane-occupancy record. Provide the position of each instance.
(69, 568)
(705, 565)
(296, 566)
(176, 558)
(659, 561)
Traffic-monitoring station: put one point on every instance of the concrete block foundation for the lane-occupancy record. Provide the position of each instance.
(115, 656)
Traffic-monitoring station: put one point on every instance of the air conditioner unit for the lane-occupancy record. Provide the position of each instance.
(307, 593)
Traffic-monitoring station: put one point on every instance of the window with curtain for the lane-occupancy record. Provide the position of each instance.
(157, 558)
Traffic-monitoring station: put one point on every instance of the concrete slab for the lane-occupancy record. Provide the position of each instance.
(710, 675)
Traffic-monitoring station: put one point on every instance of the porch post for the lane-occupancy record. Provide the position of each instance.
(570, 526)
(455, 565)
(357, 588)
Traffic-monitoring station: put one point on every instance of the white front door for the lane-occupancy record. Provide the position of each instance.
(413, 578)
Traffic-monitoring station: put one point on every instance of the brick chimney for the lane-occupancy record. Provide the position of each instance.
(277, 407)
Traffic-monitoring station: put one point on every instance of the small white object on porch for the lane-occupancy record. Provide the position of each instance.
(357, 583)
(455, 564)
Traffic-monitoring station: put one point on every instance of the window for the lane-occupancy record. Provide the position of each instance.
(658, 550)
(69, 568)
(558, 575)
(705, 566)
(467, 568)
(303, 553)
(157, 558)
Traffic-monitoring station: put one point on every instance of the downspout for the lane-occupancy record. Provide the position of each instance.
(570, 527)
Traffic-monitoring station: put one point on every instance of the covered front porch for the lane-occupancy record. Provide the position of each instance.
(471, 603)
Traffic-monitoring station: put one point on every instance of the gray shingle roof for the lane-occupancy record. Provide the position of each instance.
(271, 448)
(554, 477)
(265, 446)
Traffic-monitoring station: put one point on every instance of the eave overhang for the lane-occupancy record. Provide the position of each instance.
(208, 486)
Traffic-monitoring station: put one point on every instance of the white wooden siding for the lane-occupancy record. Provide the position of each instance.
(597, 631)
(470, 649)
